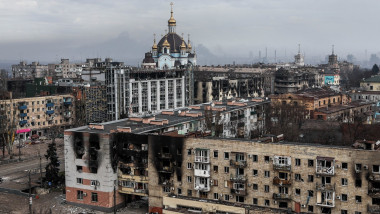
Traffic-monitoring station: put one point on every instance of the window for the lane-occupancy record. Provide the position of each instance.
(358, 167)
(79, 181)
(226, 155)
(375, 169)
(283, 175)
(189, 192)
(79, 168)
(357, 212)
(310, 163)
(216, 169)
(311, 193)
(344, 182)
(94, 182)
(343, 212)
(298, 162)
(189, 179)
(310, 208)
(358, 199)
(189, 166)
(94, 197)
(344, 197)
(254, 158)
(216, 196)
(344, 166)
(216, 154)
(179, 190)
(255, 202)
(298, 177)
(298, 191)
(166, 189)
(266, 159)
(255, 172)
(267, 174)
(79, 194)
(215, 182)
(267, 203)
(266, 188)
(310, 178)
(226, 169)
(358, 183)
(240, 199)
(226, 197)
(255, 186)
(189, 152)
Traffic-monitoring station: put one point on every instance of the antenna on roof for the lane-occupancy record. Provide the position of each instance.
(332, 49)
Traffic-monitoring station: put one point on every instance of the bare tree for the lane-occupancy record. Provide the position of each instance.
(8, 125)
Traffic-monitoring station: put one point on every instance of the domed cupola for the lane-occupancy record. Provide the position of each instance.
(172, 22)
(166, 46)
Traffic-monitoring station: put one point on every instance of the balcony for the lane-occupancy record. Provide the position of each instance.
(282, 167)
(49, 112)
(22, 122)
(67, 103)
(373, 208)
(281, 196)
(201, 173)
(374, 177)
(49, 104)
(281, 182)
(166, 169)
(23, 114)
(142, 191)
(238, 177)
(239, 192)
(239, 163)
(202, 187)
(324, 187)
(374, 192)
(325, 170)
(202, 159)
(22, 107)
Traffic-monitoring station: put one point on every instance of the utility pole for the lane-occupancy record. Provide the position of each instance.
(19, 149)
(114, 198)
(40, 170)
(30, 194)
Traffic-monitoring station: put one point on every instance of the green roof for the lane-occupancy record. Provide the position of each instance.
(373, 79)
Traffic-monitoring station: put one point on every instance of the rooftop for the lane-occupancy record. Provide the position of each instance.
(373, 79)
(333, 109)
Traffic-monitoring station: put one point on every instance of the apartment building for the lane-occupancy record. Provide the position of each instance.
(29, 71)
(36, 115)
(101, 154)
(371, 84)
(196, 173)
(133, 91)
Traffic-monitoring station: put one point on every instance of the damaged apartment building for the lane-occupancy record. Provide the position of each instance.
(98, 155)
(218, 83)
(182, 167)
(176, 160)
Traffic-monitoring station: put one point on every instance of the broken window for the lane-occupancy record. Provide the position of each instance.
(254, 158)
(358, 167)
(310, 178)
(255, 186)
(266, 159)
(298, 177)
(226, 155)
(358, 182)
(179, 191)
(344, 182)
(310, 163)
(375, 169)
(226, 169)
(79, 168)
(310, 209)
(267, 203)
(358, 199)
(255, 172)
(298, 162)
(298, 191)
(283, 175)
(311, 193)
(344, 197)
(255, 201)
(283, 204)
(240, 199)
(266, 188)
(283, 190)
(344, 166)
(216, 154)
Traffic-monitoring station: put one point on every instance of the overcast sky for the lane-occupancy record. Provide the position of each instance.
(47, 30)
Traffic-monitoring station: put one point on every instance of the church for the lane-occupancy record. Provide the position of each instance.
(171, 52)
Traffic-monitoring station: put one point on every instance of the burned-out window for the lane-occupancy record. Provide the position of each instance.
(310, 163)
(375, 169)
(165, 150)
(344, 166)
(266, 159)
(358, 182)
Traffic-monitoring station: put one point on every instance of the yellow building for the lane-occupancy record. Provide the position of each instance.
(371, 84)
(36, 115)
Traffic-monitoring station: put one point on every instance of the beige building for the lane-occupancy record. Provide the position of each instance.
(36, 115)
(241, 176)
(371, 84)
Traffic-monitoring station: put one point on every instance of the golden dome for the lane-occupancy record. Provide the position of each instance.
(183, 46)
(166, 43)
(154, 47)
(189, 45)
(171, 21)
